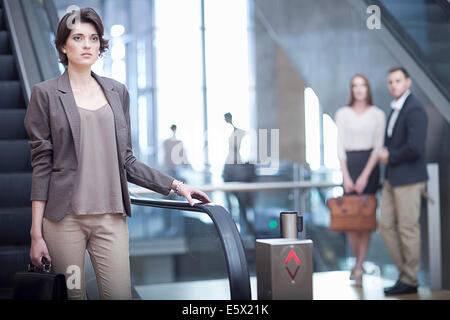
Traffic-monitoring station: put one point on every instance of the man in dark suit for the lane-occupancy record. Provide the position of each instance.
(405, 178)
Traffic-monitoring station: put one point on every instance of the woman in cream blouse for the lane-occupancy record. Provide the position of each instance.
(360, 127)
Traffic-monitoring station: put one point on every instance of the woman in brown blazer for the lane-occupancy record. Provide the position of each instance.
(82, 158)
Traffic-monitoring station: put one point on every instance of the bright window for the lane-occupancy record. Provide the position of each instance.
(227, 75)
(312, 129)
(179, 75)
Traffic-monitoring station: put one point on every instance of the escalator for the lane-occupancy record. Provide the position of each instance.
(15, 169)
(422, 27)
(24, 61)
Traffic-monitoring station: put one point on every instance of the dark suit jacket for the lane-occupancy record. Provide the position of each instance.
(407, 145)
(52, 122)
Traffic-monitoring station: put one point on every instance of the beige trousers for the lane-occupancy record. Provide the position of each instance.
(106, 238)
(400, 229)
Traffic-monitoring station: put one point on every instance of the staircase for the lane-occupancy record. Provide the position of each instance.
(15, 169)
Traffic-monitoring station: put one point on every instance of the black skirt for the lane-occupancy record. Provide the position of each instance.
(356, 161)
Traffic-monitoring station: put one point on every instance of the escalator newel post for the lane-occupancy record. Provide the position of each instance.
(284, 266)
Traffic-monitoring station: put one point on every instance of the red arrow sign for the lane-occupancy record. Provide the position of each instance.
(297, 261)
(292, 255)
(295, 273)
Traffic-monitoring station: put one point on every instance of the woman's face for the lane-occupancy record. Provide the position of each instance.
(83, 44)
(359, 89)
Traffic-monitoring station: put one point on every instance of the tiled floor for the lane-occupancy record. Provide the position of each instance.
(326, 286)
(337, 286)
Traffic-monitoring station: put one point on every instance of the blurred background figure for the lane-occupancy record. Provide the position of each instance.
(360, 127)
(235, 170)
(405, 181)
(234, 142)
(175, 155)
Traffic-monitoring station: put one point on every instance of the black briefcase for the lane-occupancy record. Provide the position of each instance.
(39, 284)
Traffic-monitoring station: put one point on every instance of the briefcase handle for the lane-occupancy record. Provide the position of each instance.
(364, 199)
(47, 266)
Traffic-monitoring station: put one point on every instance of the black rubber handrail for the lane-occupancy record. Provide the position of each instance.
(238, 275)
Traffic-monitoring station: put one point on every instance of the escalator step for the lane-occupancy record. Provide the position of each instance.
(15, 156)
(11, 124)
(8, 67)
(14, 259)
(5, 46)
(11, 93)
(15, 189)
(15, 224)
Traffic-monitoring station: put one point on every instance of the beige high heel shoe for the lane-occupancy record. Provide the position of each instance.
(352, 274)
(357, 276)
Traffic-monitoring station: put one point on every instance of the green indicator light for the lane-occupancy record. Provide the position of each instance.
(273, 224)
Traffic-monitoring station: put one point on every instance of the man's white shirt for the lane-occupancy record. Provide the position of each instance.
(397, 105)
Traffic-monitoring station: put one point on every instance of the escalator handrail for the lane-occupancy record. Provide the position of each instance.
(21, 46)
(238, 275)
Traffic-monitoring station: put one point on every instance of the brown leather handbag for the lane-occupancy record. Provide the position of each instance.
(353, 213)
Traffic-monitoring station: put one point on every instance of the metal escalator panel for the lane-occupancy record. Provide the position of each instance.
(423, 28)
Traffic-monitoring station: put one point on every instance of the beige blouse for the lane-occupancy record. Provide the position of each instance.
(358, 132)
(97, 187)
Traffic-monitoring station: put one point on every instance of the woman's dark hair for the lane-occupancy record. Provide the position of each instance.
(369, 93)
(84, 15)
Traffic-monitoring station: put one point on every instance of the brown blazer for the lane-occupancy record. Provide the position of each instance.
(52, 122)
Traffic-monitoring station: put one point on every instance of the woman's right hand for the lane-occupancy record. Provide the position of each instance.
(348, 184)
(37, 251)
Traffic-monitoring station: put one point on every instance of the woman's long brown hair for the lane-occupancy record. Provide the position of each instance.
(369, 93)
